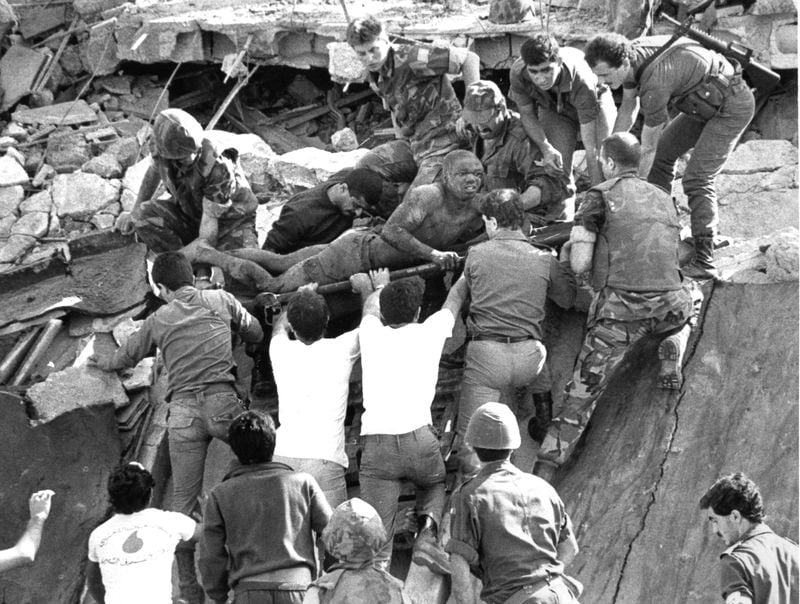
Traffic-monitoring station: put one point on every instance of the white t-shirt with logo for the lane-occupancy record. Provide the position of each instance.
(400, 368)
(135, 553)
(313, 383)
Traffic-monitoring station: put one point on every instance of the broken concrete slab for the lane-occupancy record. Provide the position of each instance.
(99, 51)
(125, 151)
(60, 114)
(19, 68)
(782, 256)
(344, 140)
(117, 84)
(38, 202)
(123, 330)
(45, 173)
(24, 235)
(16, 155)
(104, 165)
(15, 131)
(132, 181)
(10, 199)
(310, 166)
(6, 222)
(12, 173)
(74, 388)
(148, 102)
(761, 156)
(103, 221)
(81, 195)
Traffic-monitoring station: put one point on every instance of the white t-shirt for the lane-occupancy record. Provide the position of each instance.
(400, 367)
(135, 553)
(313, 383)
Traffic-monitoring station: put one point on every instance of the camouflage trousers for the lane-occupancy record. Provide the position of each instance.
(604, 347)
(163, 226)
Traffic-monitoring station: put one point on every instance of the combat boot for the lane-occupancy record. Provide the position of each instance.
(702, 265)
(191, 592)
(670, 353)
(537, 425)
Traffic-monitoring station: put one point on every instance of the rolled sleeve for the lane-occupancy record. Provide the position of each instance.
(213, 558)
(567, 531)
(519, 90)
(653, 105)
(464, 530)
(562, 288)
(585, 100)
(592, 213)
(733, 577)
(245, 324)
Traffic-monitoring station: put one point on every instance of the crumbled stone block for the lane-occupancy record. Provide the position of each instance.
(75, 387)
(38, 202)
(124, 329)
(310, 166)
(15, 131)
(138, 377)
(80, 195)
(24, 235)
(12, 173)
(17, 155)
(45, 173)
(127, 199)
(782, 256)
(104, 165)
(125, 151)
(19, 67)
(10, 199)
(67, 153)
(343, 63)
(99, 50)
(103, 221)
(132, 181)
(61, 114)
(344, 140)
(6, 222)
(6, 142)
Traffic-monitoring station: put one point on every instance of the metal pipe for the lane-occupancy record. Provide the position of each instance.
(17, 352)
(49, 334)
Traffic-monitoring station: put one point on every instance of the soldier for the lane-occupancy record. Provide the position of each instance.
(509, 281)
(626, 235)
(425, 227)
(412, 81)
(211, 206)
(759, 567)
(715, 106)
(354, 536)
(509, 158)
(558, 97)
(507, 526)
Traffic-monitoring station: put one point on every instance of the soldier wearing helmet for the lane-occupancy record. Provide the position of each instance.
(211, 202)
(508, 527)
(354, 536)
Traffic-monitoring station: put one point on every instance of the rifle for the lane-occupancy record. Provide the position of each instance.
(761, 77)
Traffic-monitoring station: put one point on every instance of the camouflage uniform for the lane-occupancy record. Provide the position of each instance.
(354, 536)
(639, 293)
(216, 176)
(510, 161)
(414, 86)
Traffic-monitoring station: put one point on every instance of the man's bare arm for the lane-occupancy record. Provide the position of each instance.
(24, 552)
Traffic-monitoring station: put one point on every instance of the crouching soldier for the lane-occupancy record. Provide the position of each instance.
(626, 234)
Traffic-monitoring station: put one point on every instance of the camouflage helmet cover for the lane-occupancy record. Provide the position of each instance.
(355, 532)
(176, 134)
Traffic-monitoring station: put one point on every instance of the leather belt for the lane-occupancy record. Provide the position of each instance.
(524, 593)
(502, 339)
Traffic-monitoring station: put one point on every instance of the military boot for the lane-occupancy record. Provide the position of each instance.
(537, 425)
(429, 552)
(191, 592)
(702, 265)
(670, 353)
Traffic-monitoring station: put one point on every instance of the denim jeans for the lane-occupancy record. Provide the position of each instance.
(713, 142)
(389, 459)
(493, 371)
(555, 593)
(270, 596)
(328, 474)
(193, 421)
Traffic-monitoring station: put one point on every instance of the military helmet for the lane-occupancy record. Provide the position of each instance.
(176, 134)
(355, 532)
(493, 426)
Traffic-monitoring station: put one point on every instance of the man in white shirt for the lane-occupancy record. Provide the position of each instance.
(312, 374)
(400, 367)
(130, 555)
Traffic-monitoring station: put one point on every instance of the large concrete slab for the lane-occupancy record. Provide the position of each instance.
(649, 455)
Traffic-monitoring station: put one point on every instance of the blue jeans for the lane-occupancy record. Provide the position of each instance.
(493, 371)
(194, 419)
(555, 593)
(328, 474)
(389, 459)
(713, 142)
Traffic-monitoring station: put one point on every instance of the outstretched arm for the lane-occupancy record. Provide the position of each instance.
(24, 552)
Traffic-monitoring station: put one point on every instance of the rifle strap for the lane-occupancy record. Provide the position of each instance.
(679, 33)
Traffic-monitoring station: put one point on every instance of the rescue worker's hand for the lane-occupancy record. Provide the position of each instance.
(39, 504)
(380, 277)
(552, 161)
(446, 260)
(101, 362)
(124, 223)
(312, 287)
(463, 130)
(361, 283)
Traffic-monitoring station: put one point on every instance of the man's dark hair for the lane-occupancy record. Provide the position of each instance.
(734, 492)
(401, 299)
(252, 437)
(454, 157)
(308, 315)
(611, 49)
(623, 148)
(504, 206)
(364, 30)
(172, 270)
(366, 184)
(487, 455)
(541, 48)
(129, 488)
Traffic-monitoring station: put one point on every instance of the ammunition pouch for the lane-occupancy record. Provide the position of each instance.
(706, 99)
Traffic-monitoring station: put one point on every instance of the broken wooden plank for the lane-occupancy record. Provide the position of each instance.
(277, 137)
(19, 69)
(320, 111)
(63, 114)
